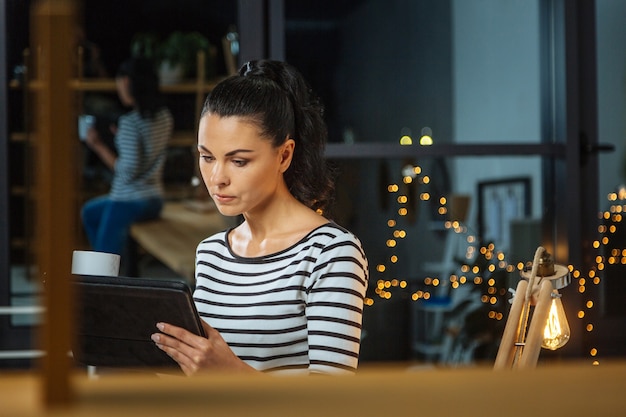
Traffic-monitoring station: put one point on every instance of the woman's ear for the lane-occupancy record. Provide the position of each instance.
(286, 154)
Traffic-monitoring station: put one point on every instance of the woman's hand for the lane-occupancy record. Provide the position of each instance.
(99, 147)
(195, 353)
(113, 128)
(92, 138)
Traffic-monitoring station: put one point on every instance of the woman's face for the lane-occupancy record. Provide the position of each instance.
(241, 169)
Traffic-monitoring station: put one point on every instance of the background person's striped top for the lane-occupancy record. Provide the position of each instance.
(141, 145)
(296, 310)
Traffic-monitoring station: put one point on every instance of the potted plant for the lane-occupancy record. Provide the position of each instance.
(178, 55)
(146, 45)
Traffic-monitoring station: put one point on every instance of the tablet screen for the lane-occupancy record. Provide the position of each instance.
(116, 315)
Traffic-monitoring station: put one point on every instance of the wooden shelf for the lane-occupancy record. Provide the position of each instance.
(194, 92)
(190, 86)
(184, 138)
(18, 137)
(19, 243)
(33, 85)
(19, 190)
(108, 85)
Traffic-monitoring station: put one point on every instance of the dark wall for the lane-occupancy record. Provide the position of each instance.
(394, 75)
(381, 67)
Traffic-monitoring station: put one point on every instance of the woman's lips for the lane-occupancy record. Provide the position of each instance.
(221, 198)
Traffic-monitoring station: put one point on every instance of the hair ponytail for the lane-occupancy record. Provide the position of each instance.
(277, 97)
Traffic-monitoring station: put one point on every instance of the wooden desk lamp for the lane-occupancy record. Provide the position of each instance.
(520, 347)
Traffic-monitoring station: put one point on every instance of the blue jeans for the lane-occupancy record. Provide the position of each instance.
(107, 222)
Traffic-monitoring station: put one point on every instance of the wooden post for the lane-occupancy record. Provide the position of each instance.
(52, 23)
(512, 329)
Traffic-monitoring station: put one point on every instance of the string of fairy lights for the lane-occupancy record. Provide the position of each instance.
(469, 273)
(493, 261)
(609, 222)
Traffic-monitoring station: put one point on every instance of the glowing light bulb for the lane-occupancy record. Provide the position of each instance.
(426, 140)
(427, 137)
(557, 332)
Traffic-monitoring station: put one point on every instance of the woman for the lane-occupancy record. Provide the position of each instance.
(283, 291)
(141, 138)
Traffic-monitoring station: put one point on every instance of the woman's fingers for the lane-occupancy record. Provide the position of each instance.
(186, 348)
(193, 352)
(186, 365)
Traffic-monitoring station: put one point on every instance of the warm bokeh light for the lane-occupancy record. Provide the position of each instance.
(487, 274)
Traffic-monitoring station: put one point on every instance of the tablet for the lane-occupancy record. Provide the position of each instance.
(116, 316)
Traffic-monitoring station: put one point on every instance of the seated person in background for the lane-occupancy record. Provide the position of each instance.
(141, 138)
(283, 291)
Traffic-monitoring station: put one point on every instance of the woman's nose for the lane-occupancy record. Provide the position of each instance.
(218, 174)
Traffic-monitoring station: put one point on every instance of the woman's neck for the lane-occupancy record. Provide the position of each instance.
(274, 229)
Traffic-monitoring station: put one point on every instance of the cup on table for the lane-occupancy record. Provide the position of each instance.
(95, 263)
(85, 121)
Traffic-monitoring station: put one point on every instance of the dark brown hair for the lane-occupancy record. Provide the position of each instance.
(276, 97)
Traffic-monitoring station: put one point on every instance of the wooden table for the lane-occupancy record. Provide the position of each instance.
(173, 238)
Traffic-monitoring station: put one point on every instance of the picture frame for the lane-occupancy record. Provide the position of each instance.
(499, 203)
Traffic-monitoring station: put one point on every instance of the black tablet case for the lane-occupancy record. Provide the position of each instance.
(116, 316)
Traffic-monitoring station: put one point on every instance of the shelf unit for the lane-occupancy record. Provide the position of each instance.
(21, 191)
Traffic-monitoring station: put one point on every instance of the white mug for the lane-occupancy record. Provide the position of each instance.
(85, 121)
(95, 263)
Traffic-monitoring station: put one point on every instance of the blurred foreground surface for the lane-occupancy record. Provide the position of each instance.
(569, 389)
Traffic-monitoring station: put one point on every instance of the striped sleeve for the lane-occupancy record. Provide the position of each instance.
(335, 306)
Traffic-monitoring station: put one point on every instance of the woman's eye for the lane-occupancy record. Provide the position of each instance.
(206, 158)
(239, 162)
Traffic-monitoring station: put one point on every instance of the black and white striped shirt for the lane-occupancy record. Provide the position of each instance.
(298, 310)
(141, 146)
